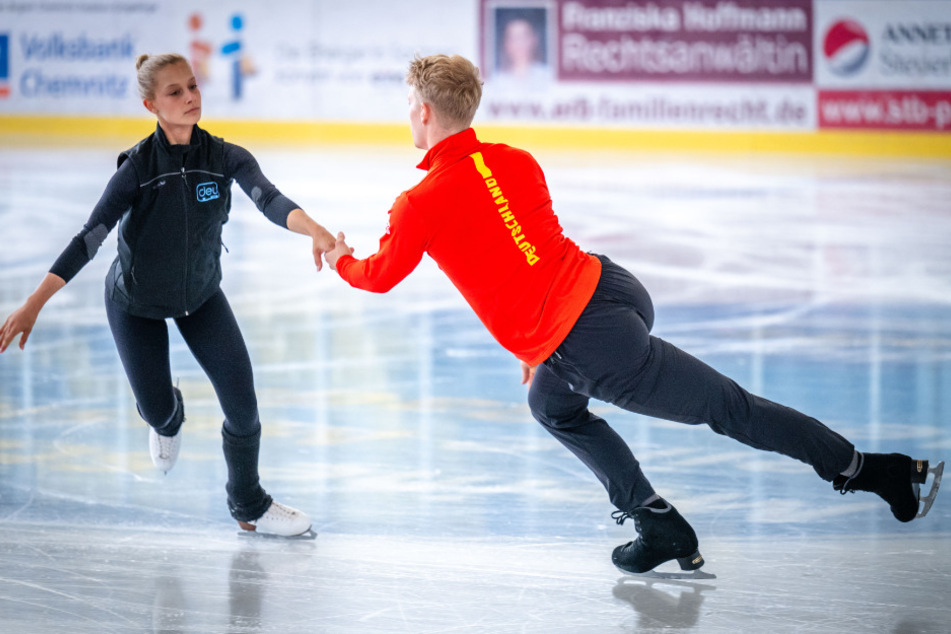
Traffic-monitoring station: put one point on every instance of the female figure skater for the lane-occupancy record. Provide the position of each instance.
(170, 195)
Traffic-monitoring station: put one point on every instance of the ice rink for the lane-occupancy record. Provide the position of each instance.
(401, 427)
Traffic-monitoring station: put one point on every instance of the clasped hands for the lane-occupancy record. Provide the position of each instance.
(324, 245)
(340, 249)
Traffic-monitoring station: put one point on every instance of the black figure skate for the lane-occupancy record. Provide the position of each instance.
(664, 535)
(896, 478)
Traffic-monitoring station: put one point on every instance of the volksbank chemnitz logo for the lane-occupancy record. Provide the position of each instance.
(4, 65)
(207, 191)
(846, 47)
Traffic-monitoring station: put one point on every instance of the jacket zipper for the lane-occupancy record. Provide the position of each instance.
(185, 213)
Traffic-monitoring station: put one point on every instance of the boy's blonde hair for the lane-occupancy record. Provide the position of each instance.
(450, 85)
(148, 66)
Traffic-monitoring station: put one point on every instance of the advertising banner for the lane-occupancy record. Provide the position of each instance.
(884, 65)
(640, 64)
(312, 60)
(730, 64)
(64, 60)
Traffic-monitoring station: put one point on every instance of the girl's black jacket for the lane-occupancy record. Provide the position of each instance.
(170, 202)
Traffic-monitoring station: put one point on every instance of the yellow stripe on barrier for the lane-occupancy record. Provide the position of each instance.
(121, 132)
(826, 142)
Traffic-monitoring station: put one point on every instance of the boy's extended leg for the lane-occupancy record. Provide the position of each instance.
(564, 413)
(611, 355)
(664, 533)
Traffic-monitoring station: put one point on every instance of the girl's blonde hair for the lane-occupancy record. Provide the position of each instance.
(451, 85)
(148, 66)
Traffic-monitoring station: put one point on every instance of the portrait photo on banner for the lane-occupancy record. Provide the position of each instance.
(518, 44)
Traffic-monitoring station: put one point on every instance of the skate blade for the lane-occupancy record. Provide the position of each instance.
(684, 575)
(308, 535)
(926, 501)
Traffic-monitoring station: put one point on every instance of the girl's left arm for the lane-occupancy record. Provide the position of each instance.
(273, 204)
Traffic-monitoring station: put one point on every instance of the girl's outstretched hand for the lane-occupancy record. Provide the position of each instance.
(20, 322)
(323, 242)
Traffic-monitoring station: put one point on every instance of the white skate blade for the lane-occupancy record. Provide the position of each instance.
(683, 575)
(307, 535)
(927, 500)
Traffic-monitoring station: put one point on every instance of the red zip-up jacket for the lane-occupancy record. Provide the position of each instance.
(483, 213)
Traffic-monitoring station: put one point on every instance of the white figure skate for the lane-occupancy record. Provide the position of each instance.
(280, 521)
(164, 449)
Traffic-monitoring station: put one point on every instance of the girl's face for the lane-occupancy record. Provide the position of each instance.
(177, 100)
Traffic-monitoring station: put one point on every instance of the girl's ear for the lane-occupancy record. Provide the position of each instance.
(149, 106)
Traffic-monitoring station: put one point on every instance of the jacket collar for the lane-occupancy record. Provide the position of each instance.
(450, 150)
(193, 143)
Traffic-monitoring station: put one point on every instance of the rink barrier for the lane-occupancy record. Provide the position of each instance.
(57, 131)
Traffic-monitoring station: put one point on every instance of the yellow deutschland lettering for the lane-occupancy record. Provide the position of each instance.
(484, 171)
(508, 217)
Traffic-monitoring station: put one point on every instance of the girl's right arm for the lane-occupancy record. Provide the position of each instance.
(22, 319)
(115, 201)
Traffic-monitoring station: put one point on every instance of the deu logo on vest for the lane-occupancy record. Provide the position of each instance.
(207, 191)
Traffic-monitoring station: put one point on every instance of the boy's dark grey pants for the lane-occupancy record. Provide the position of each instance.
(611, 356)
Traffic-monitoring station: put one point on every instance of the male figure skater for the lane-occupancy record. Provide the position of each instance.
(580, 324)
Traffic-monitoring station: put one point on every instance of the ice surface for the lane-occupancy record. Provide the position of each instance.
(400, 426)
